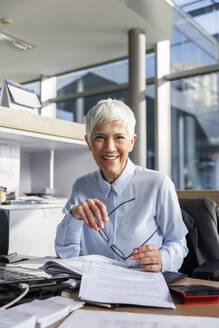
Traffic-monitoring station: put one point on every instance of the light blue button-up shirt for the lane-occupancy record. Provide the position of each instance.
(155, 207)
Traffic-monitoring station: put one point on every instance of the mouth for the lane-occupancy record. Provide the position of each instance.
(110, 158)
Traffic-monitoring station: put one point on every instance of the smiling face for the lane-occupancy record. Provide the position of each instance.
(110, 144)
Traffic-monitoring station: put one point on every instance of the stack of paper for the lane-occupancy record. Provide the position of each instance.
(105, 280)
(113, 284)
(47, 311)
(9, 319)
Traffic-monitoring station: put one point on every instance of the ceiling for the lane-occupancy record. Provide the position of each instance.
(69, 34)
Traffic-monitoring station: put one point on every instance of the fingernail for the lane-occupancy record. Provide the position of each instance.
(101, 225)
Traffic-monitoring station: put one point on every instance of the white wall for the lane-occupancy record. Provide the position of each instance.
(40, 166)
(34, 171)
(10, 166)
(69, 166)
(25, 172)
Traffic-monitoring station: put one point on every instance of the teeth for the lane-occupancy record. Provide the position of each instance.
(110, 158)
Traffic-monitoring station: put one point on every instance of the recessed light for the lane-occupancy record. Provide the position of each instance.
(14, 41)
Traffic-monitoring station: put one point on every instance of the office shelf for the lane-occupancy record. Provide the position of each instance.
(36, 133)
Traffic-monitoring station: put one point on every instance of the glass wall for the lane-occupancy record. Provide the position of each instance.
(93, 78)
(195, 132)
(194, 100)
(191, 45)
(35, 86)
(99, 76)
(204, 12)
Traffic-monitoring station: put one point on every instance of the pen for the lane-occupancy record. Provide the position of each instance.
(103, 305)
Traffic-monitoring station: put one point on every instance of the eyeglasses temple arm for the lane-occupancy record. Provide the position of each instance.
(127, 201)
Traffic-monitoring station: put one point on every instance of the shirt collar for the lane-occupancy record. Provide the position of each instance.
(120, 183)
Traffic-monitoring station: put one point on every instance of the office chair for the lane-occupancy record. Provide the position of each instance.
(201, 217)
(4, 232)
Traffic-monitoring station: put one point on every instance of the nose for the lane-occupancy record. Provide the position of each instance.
(110, 145)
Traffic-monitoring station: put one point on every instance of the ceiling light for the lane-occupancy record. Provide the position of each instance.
(15, 41)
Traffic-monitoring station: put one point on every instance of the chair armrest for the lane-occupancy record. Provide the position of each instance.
(208, 270)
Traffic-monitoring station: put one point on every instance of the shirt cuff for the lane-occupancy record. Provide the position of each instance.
(165, 260)
(74, 221)
(67, 210)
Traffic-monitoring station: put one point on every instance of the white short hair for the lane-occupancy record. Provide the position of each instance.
(108, 110)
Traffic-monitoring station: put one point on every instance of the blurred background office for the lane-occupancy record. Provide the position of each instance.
(194, 94)
(193, 77)
(160, 57)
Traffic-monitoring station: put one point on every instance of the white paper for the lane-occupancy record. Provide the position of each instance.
(34, 263)
(110, 319)
(10, 319)
(47, 312)
(71, 302)
(24, 97)
(112, 284)
(76, 264)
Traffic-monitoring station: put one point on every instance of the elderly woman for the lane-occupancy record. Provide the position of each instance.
(122, 211)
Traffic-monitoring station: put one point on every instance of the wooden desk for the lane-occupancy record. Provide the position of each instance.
(205, 310)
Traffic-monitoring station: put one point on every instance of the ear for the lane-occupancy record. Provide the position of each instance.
(133, 139)
(87, 141)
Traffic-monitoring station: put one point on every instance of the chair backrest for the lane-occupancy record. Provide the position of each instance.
(4, 232)
(211, 194)
(201, 217)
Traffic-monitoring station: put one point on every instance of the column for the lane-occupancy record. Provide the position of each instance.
(79, 102)
(137, 87)
(181, 149)
(51, 170)
(162, 108)
(190, 153)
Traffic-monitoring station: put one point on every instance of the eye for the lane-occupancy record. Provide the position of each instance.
(120, 137)
(99, 137)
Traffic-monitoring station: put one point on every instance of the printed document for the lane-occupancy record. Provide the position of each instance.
(75, 265)
(47, 311)
(106, 280)
(97, 319)
(113, 284)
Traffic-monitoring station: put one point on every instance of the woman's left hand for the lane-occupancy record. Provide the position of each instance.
(149, 257)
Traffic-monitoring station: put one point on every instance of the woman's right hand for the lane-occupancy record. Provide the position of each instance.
(93, 212)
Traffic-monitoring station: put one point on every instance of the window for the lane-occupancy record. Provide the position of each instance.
(195, 132)
(33, 86)
(191, 46)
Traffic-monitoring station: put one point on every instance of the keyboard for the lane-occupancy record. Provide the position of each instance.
(9, 276)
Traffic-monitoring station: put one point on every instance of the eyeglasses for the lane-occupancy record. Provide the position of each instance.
(114, 248)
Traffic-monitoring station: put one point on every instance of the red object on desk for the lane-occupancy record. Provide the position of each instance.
(197, 294)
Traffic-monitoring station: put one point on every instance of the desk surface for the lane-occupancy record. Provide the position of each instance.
(206, 310)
